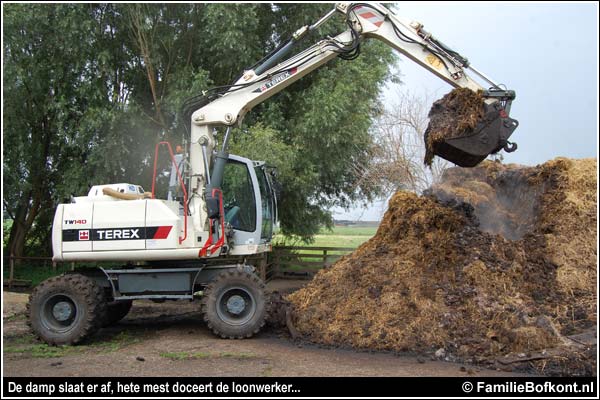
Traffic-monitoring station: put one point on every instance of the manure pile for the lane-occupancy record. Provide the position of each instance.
(497, 264)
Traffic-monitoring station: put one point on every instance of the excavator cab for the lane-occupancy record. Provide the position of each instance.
(249, 202)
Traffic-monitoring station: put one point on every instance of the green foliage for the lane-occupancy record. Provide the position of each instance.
(35, 272)
(313, 135)
(90, 88)
(6, 227)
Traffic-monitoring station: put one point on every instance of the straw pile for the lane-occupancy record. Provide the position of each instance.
(454, 115)
(495, 261)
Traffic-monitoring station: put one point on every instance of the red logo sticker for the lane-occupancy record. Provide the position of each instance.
(84, 235)
(162, 232)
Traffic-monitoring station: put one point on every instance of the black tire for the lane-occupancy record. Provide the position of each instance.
(116, 311)
(234, 305)
(66, 309)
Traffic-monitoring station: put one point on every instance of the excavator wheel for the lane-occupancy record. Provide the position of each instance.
(116, 311)
(66, 309)
(234, 305)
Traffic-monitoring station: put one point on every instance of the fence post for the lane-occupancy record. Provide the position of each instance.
(263, 267)
(11, 273)
(325, 259)
(275, 263)
(54, 266)
(73, 266)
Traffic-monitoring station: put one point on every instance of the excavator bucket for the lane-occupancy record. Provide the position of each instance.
(489, 136)
(465, 126)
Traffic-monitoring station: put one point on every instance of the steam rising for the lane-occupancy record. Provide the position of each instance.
(505, 204)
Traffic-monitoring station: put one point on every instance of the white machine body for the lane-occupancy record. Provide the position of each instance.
(100, 224)
(101, 227)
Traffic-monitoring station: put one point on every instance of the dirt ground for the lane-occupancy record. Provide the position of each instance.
(170, 339)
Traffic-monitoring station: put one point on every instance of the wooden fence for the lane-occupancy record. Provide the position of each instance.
(284, 262)
(303, 262)
(290, 262)
(44, 261)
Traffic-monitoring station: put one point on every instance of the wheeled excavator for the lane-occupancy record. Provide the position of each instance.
(220, 205)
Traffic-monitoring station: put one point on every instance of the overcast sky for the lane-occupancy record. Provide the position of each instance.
(546, 52)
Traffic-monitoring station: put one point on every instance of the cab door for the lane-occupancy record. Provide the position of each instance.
(241, 201)
(268, 202)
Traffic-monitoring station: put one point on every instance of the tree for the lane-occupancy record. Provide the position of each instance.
(46, 90)
(397, 153)
(90, 88)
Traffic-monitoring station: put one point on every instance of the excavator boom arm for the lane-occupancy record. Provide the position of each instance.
(366, 21)
(228, 105)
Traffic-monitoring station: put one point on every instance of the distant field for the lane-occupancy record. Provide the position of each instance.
(341, 236)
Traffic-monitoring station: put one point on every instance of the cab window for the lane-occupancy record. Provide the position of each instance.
(238, 197)
(266, 197)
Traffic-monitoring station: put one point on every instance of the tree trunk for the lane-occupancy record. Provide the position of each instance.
(29, 205)
(137, 17)
(18, 231)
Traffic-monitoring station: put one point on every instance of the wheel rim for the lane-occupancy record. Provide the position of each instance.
(236, 305)
(59, 313)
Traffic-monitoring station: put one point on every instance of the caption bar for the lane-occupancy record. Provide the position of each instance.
(300, 387)
(110, 388)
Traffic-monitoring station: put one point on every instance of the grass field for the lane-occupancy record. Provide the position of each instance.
(340, 236)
